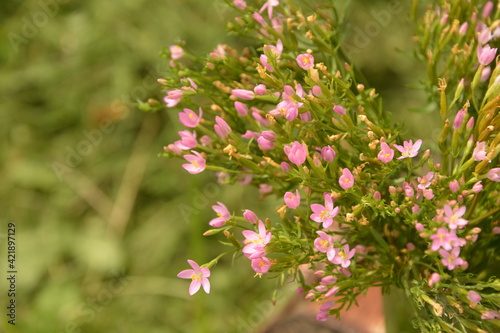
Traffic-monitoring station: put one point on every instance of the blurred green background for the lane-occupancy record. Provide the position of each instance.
(103, 224)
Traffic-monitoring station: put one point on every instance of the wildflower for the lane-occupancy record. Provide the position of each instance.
(292, 201)
(250, 216)
(490, 315)
(261, 265)
(296, 153)
(243, 94)
(332, 291)
(264, 143)
(377, 196)
(275, 50)
(486, 54)
(340, 110)
(257, 17)
(347, 179)
(241, 108)
(453, 217)
(386, 154)
(328, 153)
(324, 214)
(176, 52)
(494, 174)
(188, 140)
(474, 296)
(285, 167)
(451, 260)
(479, 152)
(488, 7)
(260, 89)
(223, 215)
(434, 278)
(197, 163)
(305, 61)
(269, 5)
(409, 149)
(190, 119)
(256, 242)
(477, 187)
(221, 128)
(443, 238)
(454, 185)
(306, 116)
(463, 28)
(264, 61)
(459, 119)
(425, 181)
(324, 244)
(343, 256)
(198, 275)
(173, 97)
(241, 4)
(323, 314)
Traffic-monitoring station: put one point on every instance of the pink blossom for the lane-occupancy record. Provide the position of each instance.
(256, 115)
(189, 119)
(485, 73)
(427, 193)
(292, 201)
(434, 278)
(264, 61)
(173, 97)
(285, 167)
(296, 153)
(377, 196)
(250, 135)
(459, 119)
(243, 94)
(328, 280)
(386, 154)
(265, 188)
(332, 291)
(477, 187)
(454, 217)
(257, 17)
(264, 143)
(484, 36)
(305, 61)
(488, 7)
(463, 28)
(199, 277)
(306, 116)
(451, 260)
(197, 163)
(479, 153)
(274, 50)
(260, 89)
(269, 5)
(328, 153)
(343, 256)
(261, 265)
(176, 52)
(241, 4)
(323, 311)
(490, 315)
(494, 174)
(221, 128)
(256, 242)
(250, 216)
(425, 181)
(443, 238)
(346, 180)
(486, 54)
(474, 296)
(188, 140)
(409, 149)
(324, 244)
(316, 91)
(223, 215)
(324, 214)
(454, 185)
(241, 108)
(340, 110)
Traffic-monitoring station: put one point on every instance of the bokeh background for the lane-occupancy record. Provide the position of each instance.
(103, 223)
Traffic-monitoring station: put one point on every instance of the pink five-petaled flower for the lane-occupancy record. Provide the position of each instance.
(490, 315)
(343, 256)
(292, 201)
(425, 181)
(328, 153)
(197, 163)
(176, 52)
(188, 140)
(296, 153)
(269, 5)
(451, 260)
(486, 54)
(454, 217)
(221, 128)
(190, 119)
(474, 296)
(324, 243)
(494, 174)
(245, 94)
(305, 61)
(347, 179)
(479, 153)
(261, 265)
(443, 238)
(173, 97)
(324, 214)
(386, 154)
(408, 149)
(223, 215)
(255, 243)
(198, 275)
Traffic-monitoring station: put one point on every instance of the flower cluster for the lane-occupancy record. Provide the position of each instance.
(362, 206)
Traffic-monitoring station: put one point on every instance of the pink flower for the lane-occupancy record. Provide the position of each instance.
(221, 128)
(463, 28)
(347, 179)
(197, 163)
(459, 119)
(264, 143)
(241, 108)
(494, 174)
(323, 314)
(223, 215)
(386, 154)
(451, 260)
(488, 7)
(409, 149)
(176, 52)
(261, 265)
(274, 50)
(269, 5)
(425, 181)
(454, 217)
(255, 243)
(324, 244)
(264, 61)
(328, 153)
(260, 89)
(285, 167)
(479, 153)
(250, 216)
(490, 315)
(292, 201)
(474, 296)
(343, 256)
(188, 140)
(324, 214)
(478, 187)
(296, 153)
(173, 97)
(205, 140)
(454, 185)
(257, 17)
(241, 4)
(305, 61)
(443, 238)
(243, 94)
(434, 278)
(486, 54)
(340, 110)
(189, 119)
(199, 277)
